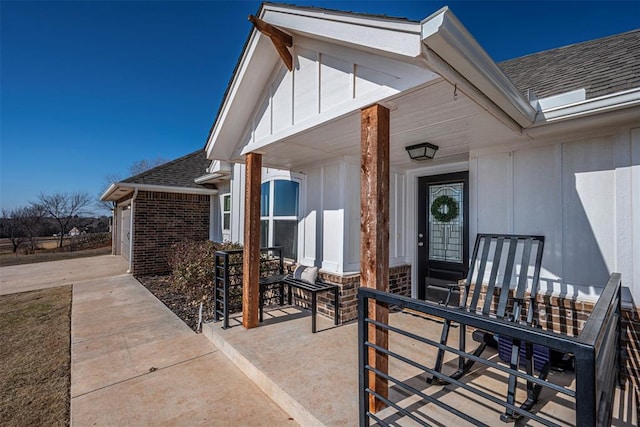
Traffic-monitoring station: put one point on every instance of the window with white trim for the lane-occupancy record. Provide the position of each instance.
(279, 200)
(226, 212)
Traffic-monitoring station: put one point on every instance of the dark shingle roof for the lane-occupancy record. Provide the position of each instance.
(602, 66)
(176, 173)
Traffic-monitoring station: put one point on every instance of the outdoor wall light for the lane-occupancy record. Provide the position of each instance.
(423, 151)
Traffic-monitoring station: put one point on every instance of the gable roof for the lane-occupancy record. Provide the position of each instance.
(590, 78)
(178, 176)
(425, 51)
(180, 172)
(601, 67)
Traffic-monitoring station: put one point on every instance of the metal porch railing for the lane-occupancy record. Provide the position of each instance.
(596, 352)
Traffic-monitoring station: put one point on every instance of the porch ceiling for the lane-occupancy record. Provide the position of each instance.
(434, 113)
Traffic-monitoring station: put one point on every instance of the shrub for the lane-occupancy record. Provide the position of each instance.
(192, 264)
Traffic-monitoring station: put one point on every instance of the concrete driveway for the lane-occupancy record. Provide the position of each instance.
(29, 277)
(133, 362)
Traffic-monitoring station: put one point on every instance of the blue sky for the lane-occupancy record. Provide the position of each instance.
(88, 88)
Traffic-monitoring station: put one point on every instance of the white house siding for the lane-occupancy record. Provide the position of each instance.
(329, 219)
(581, 195)
(237, 203)
(633, 246)
(327, 82)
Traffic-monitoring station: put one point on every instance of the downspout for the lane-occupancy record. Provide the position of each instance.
(135, 193)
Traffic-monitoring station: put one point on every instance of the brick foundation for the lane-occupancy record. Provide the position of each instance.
(568, 316)
(399, 283)
(161, 219)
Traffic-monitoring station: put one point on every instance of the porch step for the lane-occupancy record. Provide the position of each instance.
(227, 342)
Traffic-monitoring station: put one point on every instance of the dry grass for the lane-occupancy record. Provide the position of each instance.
(12, 259)
(36, 361)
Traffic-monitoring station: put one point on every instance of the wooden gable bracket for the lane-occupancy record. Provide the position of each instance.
(279, 38)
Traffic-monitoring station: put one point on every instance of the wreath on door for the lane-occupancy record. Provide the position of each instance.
(444, 208)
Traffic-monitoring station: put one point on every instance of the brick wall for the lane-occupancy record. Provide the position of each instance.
(569, 315)
(161, 219)
(399, 283)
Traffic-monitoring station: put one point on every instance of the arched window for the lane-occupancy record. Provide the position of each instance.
(279, 207)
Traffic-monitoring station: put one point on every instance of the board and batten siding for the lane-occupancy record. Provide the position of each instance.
(329, 218)
(582, 195)
(331, 221)
(327, 82)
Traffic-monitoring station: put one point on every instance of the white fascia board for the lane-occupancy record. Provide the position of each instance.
(113, 187)
(444, 34)
(615, 101)
(213, 177)
(220, 166)
(170, 189)
(250, 72)
(150, 187)
(391, 35)
(561, 99)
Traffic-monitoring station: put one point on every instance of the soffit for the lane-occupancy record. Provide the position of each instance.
(434, 113)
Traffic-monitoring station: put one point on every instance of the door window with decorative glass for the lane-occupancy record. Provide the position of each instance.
(279, 200)
(446, 222)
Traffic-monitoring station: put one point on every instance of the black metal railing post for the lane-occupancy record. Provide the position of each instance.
(596, 351)
(585, 387)
(225, 323)
(363, 359)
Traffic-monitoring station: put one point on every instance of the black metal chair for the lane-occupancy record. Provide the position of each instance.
(496, 286)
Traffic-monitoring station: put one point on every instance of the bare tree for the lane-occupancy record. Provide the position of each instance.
(141, 166)
(32, 221)
(64, 207)
(11, 228)
(136, 168)
(106, 182)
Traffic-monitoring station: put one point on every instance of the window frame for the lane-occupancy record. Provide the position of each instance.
(271, 218)
(223, 211)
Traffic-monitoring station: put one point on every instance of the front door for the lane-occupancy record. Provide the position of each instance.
(443, 233)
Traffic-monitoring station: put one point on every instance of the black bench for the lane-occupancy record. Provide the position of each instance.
(313, 289)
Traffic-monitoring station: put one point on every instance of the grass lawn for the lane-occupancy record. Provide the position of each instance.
(35, 355)
(8, 259)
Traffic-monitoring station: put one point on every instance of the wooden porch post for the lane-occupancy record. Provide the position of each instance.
(251, 250)
(374, 234)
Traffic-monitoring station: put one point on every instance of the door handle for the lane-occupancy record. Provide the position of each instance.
(420, 244)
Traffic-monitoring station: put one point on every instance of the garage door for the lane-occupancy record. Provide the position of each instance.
(125, 235)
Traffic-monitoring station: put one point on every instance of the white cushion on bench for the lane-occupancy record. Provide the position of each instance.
(307, 274)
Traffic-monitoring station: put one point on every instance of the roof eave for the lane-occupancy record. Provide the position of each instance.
(130, 187)
(107, 195)
(220, 145)
(445, 35)
(602, 104)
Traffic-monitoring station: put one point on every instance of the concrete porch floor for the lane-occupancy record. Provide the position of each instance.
(314, 377)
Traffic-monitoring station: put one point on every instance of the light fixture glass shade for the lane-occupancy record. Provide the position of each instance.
(423, 151)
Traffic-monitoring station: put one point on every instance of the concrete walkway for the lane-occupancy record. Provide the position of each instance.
(29, 277)
(133, 362)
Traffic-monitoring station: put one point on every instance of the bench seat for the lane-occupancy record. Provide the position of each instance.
(313, 289)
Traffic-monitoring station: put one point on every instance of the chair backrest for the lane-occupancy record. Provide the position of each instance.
(507, 265)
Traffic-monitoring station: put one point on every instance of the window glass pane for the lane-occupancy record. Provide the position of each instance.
(286, 198)
(227, 203)
(446, 234)
(226, 221)
(264, 233)
(285, 234)
(264, 199)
